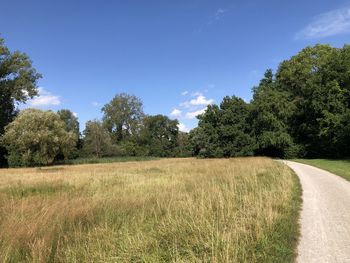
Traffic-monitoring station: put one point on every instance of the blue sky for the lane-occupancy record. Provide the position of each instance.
(177, 56)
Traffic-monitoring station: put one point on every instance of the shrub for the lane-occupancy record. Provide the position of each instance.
(36, 137)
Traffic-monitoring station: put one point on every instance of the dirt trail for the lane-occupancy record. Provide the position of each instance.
(325, 216)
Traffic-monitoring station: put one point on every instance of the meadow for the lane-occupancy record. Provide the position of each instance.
(167, 210)
(90, 160)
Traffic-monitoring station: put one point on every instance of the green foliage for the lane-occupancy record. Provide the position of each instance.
(271, 111)
(224, 131)
(304, 110)
(183, 147)
(36, 137)
(70, 120)
(122, 116)
(17, 76)
(18, 83)
(318, 80)
(235, 130)
(97, 140)
(72, 125)
(205, 138)
(159, 135)
(129, 132)
(131, 147)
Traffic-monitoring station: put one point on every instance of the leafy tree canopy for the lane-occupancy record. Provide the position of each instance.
(36, 137)
(97, 139)
(18, 83)
(159, 135)
(17, 76)
(70, 120)
(302, 110)
(318, 79)
(123, 115)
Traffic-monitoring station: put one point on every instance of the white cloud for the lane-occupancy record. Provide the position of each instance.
(182, 127)
(212, 19)
(45, 98)
(194, 114)
(75, 114)
(327, 24)
(184, 93)
(95, 104)
(201, 100)
(176, 113)
(185, 104)
(219, 13)
(25, 92)
(197, 93)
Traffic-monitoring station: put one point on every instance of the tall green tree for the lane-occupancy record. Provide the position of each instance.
(123, 115)
(224, 131)
(70, 120)
(159, 135)
(318, 79)
(97, 140)
(304, 110)
(183, 147)
(18, 83)
(271, 112)
(36, 137)
(72, 125)
(235, 136)
(205, 139)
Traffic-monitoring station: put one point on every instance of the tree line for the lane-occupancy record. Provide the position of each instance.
(38, 137)
(301, 110)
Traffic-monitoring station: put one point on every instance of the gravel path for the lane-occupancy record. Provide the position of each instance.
(325, 216)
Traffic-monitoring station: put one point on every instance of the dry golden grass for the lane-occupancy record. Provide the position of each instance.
(170, 210)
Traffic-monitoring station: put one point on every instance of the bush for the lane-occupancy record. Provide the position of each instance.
(295, 151)
(36, 137)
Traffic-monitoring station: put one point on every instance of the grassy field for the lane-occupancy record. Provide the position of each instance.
(89, 160)
(338, 167)
(168, 210)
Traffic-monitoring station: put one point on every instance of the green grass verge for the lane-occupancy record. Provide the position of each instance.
(284, 236)
(338, 167)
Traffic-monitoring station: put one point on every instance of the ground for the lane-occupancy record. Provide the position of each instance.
(184, 210)
(325, 216)
(338, 167)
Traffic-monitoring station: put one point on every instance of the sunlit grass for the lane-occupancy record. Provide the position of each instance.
(89, 160)
(169, 210)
